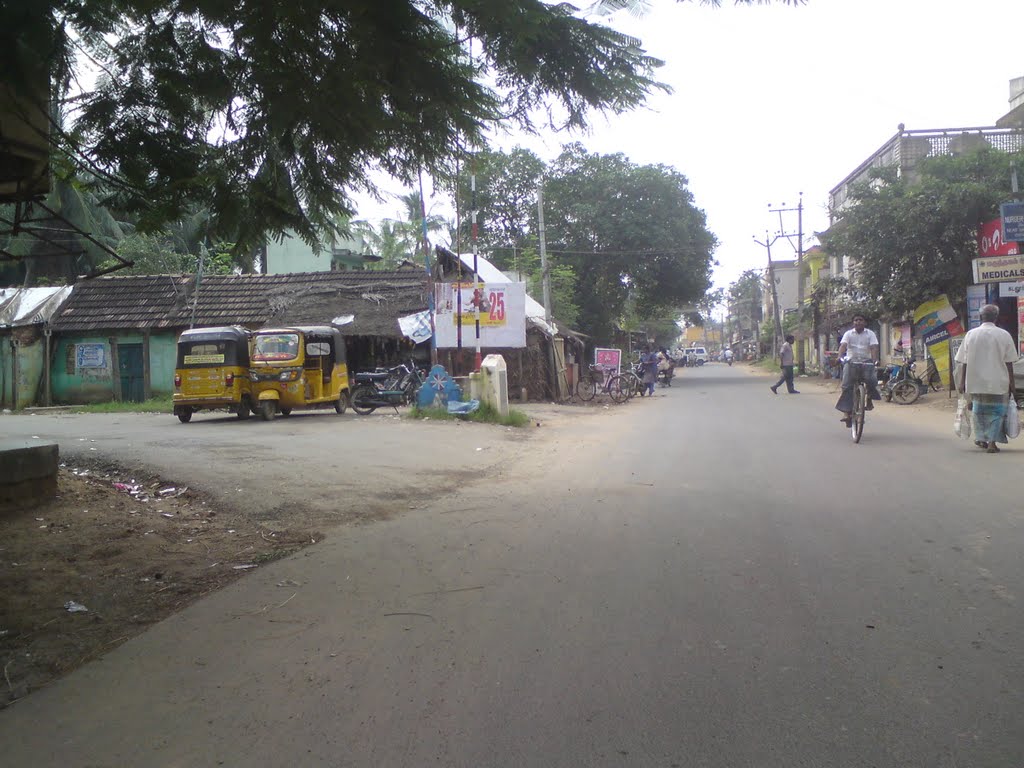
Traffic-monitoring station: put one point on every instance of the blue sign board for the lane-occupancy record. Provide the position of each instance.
(90, 356)
(1013, 222)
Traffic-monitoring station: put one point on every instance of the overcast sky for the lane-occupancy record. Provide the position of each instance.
(771, 101)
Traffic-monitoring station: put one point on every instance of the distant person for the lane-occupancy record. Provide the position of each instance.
(987, 356)
(666, 367)
(728, 356)
(649, 361)
(859, 345)
(786, 363)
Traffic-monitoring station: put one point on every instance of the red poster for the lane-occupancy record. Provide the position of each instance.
(1020, 325)
(990, 240)
(955, 328)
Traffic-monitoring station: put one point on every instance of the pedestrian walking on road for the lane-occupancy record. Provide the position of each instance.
(786, 363)
(987, 355)
(649, 361)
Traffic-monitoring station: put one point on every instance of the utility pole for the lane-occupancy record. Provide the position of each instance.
(775, 294)
(477, 359)
(430, 273)
(800, 351)
(545, 277)
(545, 274)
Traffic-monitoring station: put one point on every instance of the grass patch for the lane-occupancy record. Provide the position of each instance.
(485, 414)
(153, 405)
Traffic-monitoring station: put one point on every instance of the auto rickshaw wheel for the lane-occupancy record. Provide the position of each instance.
(245, 408)
(184, 415)
(267, 409)
(342, 402)
(285, 411)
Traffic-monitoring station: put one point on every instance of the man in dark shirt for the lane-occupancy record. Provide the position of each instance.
(786, 362)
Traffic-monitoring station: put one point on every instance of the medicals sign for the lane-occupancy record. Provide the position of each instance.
(998, 269)
(502, 314)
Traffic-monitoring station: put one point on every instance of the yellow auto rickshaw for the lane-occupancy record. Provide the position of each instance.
(212, 372)
(299, 367)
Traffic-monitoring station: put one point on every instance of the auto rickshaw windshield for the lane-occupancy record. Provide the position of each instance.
(276, 347)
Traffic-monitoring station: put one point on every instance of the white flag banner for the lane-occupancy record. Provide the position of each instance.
(416, 326)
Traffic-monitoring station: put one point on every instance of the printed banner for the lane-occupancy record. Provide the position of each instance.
(937, 322)
(1020, 326)
(975, 301)
(901, 333)
(502, 314)
(609, 358)
(990, 240)
(933, 314)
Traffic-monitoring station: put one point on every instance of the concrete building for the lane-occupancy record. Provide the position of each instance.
(292, 254)
(904, 151)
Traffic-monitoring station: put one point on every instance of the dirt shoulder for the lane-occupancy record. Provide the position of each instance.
(110, 555)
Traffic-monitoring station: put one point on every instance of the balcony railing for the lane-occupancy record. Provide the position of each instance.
(907, 148)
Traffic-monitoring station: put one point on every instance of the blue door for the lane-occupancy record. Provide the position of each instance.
(129, 358)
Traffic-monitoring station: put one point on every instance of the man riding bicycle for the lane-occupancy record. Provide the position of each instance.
(860, 347)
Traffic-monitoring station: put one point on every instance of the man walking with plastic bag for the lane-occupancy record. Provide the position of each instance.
(987, 356)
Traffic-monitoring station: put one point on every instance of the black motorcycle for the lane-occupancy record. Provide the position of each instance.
(386, 388)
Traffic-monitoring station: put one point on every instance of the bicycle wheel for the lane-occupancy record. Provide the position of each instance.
(586, 388)
(635, 384)
(934, 381)
(860, 398)
(618, 389)
(905, 392)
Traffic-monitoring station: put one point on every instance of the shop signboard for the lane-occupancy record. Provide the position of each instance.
(1012, 215)
(999, 269)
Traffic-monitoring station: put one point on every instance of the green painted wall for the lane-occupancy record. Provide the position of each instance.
(90, 382)
(6, 373)
(162, 358)
(82, 367)
(30, 373)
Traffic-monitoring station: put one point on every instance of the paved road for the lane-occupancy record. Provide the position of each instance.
(716, 577)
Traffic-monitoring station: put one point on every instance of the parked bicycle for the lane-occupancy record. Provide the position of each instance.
(600, 378)
(634, 380)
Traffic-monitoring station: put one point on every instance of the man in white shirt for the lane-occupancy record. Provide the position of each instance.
(987, 356)
(858, 345)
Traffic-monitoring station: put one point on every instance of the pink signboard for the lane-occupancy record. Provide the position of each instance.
(609, 358)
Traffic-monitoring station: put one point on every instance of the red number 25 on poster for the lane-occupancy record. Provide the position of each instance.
(498, 306)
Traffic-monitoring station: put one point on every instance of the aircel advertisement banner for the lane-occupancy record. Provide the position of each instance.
(502, 314)
(937, 322)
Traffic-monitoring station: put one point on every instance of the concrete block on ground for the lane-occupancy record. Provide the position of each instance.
(28, 472)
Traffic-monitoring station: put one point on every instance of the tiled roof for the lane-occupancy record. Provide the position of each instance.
(155, 302)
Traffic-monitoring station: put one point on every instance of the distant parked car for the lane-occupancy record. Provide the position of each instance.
(697, 355)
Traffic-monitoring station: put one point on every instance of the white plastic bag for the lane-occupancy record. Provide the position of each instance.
(1012, 419)
(962, 420)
